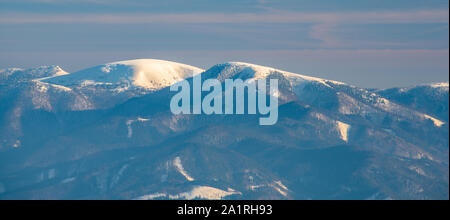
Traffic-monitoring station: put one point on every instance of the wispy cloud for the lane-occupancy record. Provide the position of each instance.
(323, 32)
(323, 23)
(380, 17)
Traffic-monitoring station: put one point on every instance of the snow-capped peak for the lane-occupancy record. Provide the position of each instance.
(148, 74)
(5, 73)
(252, 71)
(441, 85)
(9, 71)
(42, 72)
(51, 71)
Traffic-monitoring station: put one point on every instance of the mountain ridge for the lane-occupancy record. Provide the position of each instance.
(332, 141)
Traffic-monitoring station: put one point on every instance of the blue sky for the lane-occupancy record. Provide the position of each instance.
(368, 43)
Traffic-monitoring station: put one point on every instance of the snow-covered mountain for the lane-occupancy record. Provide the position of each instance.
(145, 74)
(332, 140)
(335, 96)
(100, 87)
(51, 89)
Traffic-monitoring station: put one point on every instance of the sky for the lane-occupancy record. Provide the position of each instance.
(367, 43)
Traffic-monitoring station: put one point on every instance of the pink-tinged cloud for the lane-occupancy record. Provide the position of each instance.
(376, 17)
(322, 30)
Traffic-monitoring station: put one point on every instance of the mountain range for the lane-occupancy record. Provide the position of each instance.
(107, 132)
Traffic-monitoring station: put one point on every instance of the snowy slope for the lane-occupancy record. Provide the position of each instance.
(247, 71)
(331, 94)
(432, 99)
(340, 100)
(20, 75)
(147, 74)
(442, 85)
(53, 89)
(5, 73)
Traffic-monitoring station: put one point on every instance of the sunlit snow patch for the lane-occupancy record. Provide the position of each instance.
(443, 85)
(437, 123)
(177, 164)
(68, 180)
(282, 189)
(343, 129)
(198, 192)
(276, 185)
